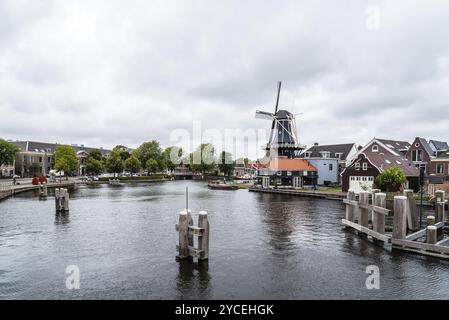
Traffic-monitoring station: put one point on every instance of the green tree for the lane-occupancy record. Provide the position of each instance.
(7, 152)
(152, 166)
(96, 154)
(226, 164)
(391, 179)
(65, 159)
(125, 155)
(149, 150)
(114, 162)
(94, 166)
(132, 164)
(172, 157)
(203, 159)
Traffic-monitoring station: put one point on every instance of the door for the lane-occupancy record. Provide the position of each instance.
(359, 184)
(265, 182)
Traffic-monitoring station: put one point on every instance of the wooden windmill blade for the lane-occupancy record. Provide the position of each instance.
(264, 115)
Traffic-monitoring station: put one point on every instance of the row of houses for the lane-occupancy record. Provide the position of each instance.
(356, 167)
(429, 156)
(37, 158)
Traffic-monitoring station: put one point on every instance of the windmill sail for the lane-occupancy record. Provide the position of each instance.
(264, 115)
(283, 136)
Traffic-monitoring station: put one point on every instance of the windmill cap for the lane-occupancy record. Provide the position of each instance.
(283, 114)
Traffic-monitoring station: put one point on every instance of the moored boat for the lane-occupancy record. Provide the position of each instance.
(114, 182)
(221, 185)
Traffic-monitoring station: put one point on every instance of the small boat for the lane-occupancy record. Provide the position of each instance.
(114, 182)
(221, 185)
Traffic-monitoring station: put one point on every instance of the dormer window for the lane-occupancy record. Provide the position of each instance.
(325, 154)
(339, 155)
(308, 154)
(365, 166)
(375, 148)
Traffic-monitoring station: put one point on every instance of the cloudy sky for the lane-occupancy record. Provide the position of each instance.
(110, 72)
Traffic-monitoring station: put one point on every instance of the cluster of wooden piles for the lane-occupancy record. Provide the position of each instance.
(367, 215)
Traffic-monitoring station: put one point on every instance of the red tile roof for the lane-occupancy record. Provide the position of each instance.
(285, 164)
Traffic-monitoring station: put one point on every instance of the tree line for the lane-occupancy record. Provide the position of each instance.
(149, 157)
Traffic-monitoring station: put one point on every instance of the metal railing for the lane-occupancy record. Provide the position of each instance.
(6, 186)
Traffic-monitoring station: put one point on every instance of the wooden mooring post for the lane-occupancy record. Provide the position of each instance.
(187, 231)
(43, 190)
(62, 200)
(400, 217)
(430, 241)
(440, 206)
(412, 211)
(364, 210)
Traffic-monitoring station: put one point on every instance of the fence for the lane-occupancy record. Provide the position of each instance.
(6, 186)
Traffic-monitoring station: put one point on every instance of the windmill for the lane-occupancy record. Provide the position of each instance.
(283, 140)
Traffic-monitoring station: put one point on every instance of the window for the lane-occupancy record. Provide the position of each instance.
(339, 155)
(365, 166)
(279, 173)
(289, 173)
(331, 167)
(440, 168)
(417, 155)
(308, 154)
(417, 145)
(40, 159)
(357, 165)
(375, 148)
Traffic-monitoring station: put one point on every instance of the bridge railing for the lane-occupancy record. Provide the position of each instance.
(6, 186)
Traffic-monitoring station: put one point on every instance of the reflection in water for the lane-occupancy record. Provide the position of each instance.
(262, 247)
(62, 218)
(193, 279)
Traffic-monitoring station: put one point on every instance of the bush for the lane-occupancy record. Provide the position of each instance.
(391, 180)
(328, 183)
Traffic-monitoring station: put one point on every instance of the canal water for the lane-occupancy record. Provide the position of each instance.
(262, 246)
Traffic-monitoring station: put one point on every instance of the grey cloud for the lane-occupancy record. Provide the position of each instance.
(109, 72)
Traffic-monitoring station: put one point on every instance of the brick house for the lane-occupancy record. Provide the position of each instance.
(377, 156)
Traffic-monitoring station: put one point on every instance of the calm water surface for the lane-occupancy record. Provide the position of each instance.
(262, 247)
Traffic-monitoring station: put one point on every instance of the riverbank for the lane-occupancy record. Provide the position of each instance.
(303, 193)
